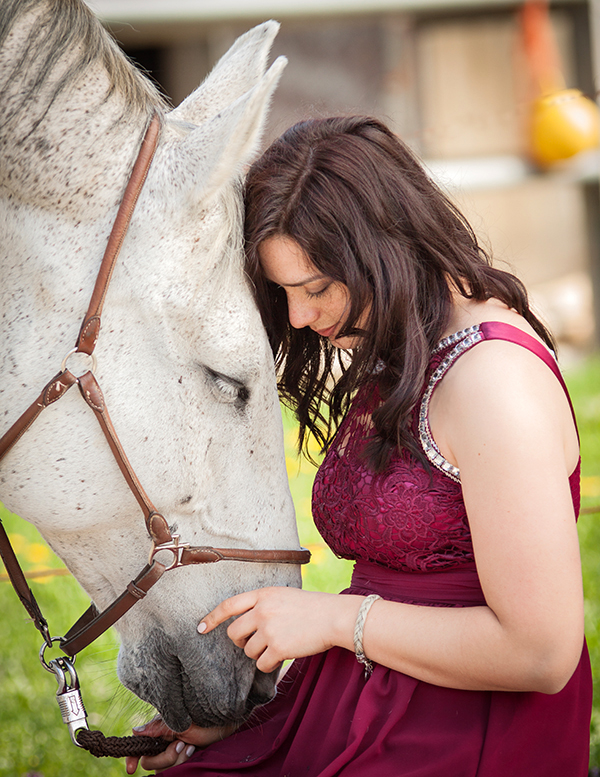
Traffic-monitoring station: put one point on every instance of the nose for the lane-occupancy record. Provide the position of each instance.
(262, 689)
(301, 313)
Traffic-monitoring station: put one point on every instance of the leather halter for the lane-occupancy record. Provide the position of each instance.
(93, 623)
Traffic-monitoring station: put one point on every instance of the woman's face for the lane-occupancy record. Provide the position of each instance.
(314, 299)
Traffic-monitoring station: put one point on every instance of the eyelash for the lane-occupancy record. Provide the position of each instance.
(315, 294)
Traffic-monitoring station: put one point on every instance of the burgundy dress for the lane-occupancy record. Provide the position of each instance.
(408, 531)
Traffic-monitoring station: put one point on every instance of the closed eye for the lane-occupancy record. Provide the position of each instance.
(319, 293)
(227, 389)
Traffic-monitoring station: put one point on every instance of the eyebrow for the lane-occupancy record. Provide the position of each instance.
(301, 283)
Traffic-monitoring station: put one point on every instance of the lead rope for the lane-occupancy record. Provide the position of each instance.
(119, 747)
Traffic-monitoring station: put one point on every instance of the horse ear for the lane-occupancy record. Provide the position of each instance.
(238, 70)
(217, 151)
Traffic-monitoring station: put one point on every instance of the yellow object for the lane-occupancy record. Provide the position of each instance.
(37, 553)
(563, 124)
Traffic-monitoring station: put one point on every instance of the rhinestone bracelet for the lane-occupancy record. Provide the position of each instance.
(358, 633)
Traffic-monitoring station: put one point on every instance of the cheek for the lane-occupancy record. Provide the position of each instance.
(342, 303)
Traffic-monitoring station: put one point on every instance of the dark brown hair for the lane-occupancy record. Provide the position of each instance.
(360, 205)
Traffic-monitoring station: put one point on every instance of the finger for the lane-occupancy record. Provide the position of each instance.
(242, 629)
(154, 728)
(236, 605)
(131, 764)
(201, 737)
(267, 657)
(253, 646)
(176, 753)
(267, 662)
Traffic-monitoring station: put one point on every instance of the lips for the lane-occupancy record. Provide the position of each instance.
(326, 332)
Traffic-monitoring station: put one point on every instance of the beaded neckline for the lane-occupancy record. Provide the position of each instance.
(455, 337)
(462, 341)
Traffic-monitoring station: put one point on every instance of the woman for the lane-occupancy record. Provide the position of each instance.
(451, 476)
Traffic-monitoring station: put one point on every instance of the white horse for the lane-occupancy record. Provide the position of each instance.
(183, 359)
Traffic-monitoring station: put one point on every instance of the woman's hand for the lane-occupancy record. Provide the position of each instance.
(182, 747)
(275, 624)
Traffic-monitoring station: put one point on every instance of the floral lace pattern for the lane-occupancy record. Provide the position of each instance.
(405, 518)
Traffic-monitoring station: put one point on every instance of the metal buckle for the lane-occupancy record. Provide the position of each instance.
(175, 547)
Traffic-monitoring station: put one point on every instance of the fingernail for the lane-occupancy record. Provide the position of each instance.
(179, 747)
(190, 751)
(202, 627)
(139, 728)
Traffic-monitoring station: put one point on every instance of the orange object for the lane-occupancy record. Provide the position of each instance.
(563, 124)
(563, 121)
(540, 47)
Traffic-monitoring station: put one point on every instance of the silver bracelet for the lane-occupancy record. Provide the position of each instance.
(358, 633)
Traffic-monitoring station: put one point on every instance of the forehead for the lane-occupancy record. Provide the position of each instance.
(284, 262)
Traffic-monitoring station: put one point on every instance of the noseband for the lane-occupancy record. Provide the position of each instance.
(94, 623)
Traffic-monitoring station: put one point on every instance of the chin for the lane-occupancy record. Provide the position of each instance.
(345, 343)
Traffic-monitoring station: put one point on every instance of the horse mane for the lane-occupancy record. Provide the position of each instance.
(66, 30)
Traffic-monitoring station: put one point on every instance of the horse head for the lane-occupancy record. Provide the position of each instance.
(183, 359)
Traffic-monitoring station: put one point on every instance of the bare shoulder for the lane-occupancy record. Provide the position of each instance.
(500, 382)
(501, 391)
(497, 369)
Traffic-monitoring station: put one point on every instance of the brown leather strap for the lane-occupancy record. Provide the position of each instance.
(92, 623)
(91, 392)
(209, 555)
(90, 328)
(52, 391)
(17, 578)
(90, 626)
(57, 388)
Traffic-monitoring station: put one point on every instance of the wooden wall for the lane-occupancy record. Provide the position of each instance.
(455, 87)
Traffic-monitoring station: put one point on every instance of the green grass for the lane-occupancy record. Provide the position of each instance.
(35, 742)
(584, 385)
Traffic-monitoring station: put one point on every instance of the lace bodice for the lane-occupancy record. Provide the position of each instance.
(407, 517)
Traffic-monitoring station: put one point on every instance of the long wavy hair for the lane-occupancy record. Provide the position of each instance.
(365, 213)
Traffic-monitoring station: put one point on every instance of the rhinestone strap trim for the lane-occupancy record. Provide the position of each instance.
(462, 341)
(454, 338)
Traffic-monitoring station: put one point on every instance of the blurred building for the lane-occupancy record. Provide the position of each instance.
(451, 79)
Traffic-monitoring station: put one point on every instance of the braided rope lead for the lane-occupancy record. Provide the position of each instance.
(359, 628)
(119, 747)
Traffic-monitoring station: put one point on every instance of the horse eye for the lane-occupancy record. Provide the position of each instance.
(226, 388)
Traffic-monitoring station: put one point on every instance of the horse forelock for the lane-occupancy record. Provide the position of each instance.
(234, 219)
(60, 42)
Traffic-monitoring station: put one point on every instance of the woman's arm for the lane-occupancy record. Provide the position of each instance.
(502, 417)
